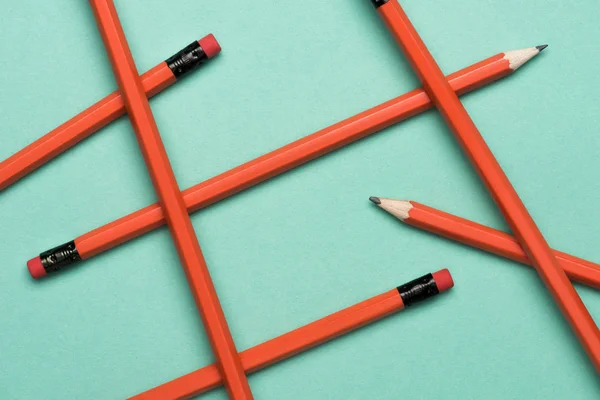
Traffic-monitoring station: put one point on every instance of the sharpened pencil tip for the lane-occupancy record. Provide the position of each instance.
(375, 200)
(541, 47)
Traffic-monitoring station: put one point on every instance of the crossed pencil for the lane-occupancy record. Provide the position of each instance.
(527, 246)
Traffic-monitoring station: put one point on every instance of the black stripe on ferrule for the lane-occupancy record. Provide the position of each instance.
(187, 59)
(59, 257)
(418, 290)
(379, 3)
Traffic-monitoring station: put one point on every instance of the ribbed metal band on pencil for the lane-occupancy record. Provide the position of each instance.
(186, 59)
(59, 257)
(379, 3)
(418, 290)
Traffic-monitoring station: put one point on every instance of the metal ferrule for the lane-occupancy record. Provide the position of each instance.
(59, 257)
(418, 290)
(379, 3)
(187, 59)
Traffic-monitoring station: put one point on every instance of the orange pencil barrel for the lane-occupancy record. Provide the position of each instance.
(483, 237)
(306, 337)
(269, 165)
(170, 198)
(495, 180)
(495, 241)
(92, 119)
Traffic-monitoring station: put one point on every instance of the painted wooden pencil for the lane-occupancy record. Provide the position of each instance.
(276, 162)
(170, 197)
(493, 177)
(101, 114)
(482, 237)
(308, 336)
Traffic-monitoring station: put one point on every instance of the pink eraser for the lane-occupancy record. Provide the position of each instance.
(35, 267)
(443, 280)
(210, 45)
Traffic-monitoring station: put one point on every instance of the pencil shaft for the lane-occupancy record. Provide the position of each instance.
(289, 156)
(494, 179)
(78, 128)
(282, 347)
(170, 198)
(495, 241)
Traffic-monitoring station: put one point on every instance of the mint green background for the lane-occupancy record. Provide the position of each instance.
(308, 243)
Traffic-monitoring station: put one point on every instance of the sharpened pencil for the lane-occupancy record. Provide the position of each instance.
(276, 162)
(307, 337)
(170, 198)
(482, 237)
(493, 177)
(100, 114)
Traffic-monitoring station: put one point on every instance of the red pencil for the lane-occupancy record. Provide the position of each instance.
(495, 180)
(482, 237)
(99, 115)
(277, 162)
(307, 337)
(170, 197)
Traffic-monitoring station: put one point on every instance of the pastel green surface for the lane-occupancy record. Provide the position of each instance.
(307, 243)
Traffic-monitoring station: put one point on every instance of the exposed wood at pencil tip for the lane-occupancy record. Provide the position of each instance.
(398, 208)
(517, 58)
